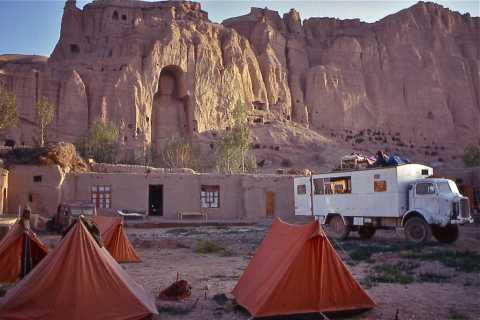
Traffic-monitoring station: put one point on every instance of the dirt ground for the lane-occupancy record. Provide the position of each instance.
(406, 282)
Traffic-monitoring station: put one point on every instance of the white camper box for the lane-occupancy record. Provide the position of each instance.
(365, 200)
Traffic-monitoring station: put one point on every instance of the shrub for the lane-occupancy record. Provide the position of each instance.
(462, 261)
(232, 149)
(471, 156)
(432, 277)
(101, 143)
(181, 153)
(360, 251)
(208, 246)
(398, 273)
(8, 109)
(454, 314)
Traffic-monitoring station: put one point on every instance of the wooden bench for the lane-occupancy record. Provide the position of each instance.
(132, 214)
(182, 214)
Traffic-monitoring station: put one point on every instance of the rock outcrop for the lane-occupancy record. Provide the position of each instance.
(62, 154)
(163, 69)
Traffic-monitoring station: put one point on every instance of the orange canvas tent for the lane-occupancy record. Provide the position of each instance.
(115, 239)
(297, 271)
(13, 250)
(78, 280)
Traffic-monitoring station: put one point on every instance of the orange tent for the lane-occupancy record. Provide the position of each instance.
(115, 239)
(12, 252)
(78, 280)
(297, 271)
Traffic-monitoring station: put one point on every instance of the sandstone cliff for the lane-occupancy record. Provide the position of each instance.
(415, 72)
(413, 76)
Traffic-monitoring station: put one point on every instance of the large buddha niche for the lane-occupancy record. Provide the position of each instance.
(169, 112)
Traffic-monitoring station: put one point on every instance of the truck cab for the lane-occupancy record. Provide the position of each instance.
(439, 202)
(435, 206)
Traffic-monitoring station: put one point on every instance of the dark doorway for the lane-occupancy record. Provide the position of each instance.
(155, 200)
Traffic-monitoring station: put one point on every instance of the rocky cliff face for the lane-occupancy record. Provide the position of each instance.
(415, 72)
(163, 69)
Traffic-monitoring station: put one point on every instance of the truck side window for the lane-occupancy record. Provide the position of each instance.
(379, 186)
(302, 189)
(425, 188)
(341, 185)
(318, 185)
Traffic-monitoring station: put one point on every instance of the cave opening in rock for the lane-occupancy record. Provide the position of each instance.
(74, 48)
(170, 108)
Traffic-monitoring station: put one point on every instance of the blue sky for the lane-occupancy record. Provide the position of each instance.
(33, 26)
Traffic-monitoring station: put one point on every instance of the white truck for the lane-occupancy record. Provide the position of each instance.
(403, 196)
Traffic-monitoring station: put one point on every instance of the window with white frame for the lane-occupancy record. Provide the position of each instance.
(102, 196)
(210, 196)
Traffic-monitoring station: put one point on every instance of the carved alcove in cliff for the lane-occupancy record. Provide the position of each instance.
(170, 110)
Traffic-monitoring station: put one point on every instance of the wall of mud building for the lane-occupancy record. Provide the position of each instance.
(39, 187)
(257, 189)
(242, 197)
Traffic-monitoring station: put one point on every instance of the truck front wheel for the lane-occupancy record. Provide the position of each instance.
(337, 228)
(417, 230)
(447, 234)
(366, 232)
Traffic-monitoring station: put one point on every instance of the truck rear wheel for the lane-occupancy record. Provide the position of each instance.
(447, 234)
(337, 229)
(366, 232)
(417, 230)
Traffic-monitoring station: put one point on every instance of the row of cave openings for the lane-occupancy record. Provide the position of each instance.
(116, 16)
(75, 49)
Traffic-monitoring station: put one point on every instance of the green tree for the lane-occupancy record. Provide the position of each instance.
(232, 150)
(142, 158)
(45, 114)
(8, 109)
(180, 153)
(471, 156)
(101, 143)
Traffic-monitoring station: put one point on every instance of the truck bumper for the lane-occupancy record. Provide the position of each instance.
(461, 221)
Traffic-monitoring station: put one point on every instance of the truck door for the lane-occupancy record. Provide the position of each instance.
(303, 196)
(425, 198)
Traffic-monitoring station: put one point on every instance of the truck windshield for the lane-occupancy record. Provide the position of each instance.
(453, 186)
(444, 187)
